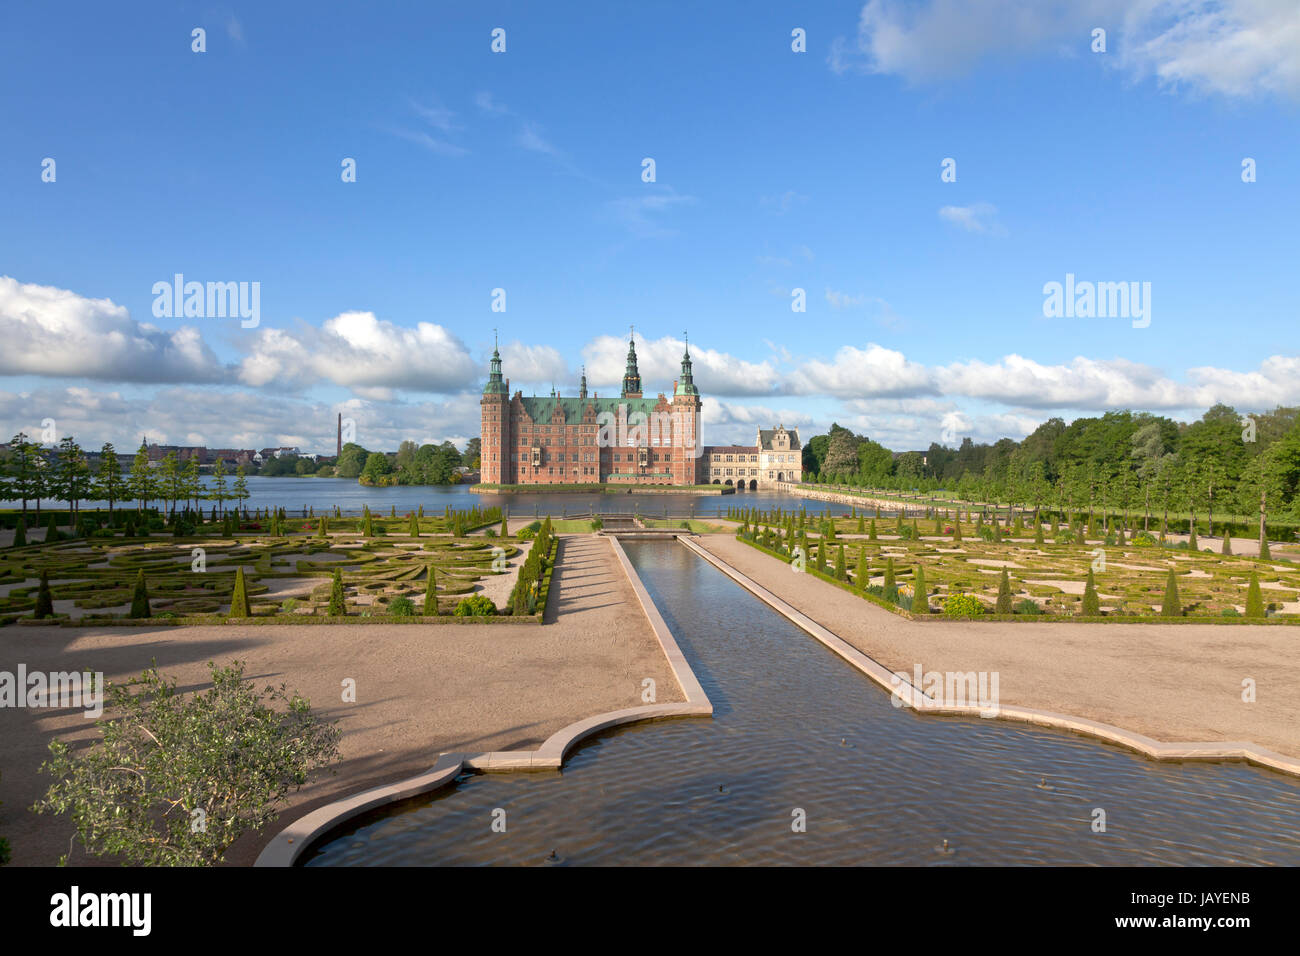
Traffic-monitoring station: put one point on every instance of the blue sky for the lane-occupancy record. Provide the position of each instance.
(522, 170)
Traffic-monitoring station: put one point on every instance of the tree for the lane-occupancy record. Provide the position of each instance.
(172, 480)
(142, 483)
(337, 605)
(1004, 594)
(140, 597)
(240, 493)
(1254, 597)
(891, 587)
(351, 460)
(219, 492)
(44, 600)
(23, 468)
(20, 533)
(72, 477)
(920, 596)
(1172, 606)
(377, 469)
(225, 758)
(431, 594)
(1091, 601)
(473, 454)
(192, 482)
(239, 606)
(109, 485)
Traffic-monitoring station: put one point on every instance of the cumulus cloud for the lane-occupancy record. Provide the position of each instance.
(978, 217)
(871, 372)
(1226, 47)
(54, 332)
(1080, 383)
(534, 364)
(359, 350)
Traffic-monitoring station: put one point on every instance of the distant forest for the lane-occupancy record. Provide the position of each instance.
(1225, 462)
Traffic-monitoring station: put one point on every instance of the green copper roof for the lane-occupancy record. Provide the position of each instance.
(541, 410)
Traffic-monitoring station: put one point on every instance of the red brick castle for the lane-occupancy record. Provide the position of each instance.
(582, 439)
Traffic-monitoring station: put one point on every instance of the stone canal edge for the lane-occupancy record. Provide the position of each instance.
(900, 687)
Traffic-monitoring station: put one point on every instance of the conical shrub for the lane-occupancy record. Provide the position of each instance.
(239, 606)
(338, 604)
(20, 534)
(44, 600)
(140, 597)
(1091, 601)
(1172, 606)
(431, 595)
(1254, 597)
(1004, 594)
(920, 596)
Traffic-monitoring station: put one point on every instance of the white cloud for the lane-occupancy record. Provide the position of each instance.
(1082, 383)
(638, 213)
(530, 137)
(978, 217)
(54, 332)
(533, 364)
(1226, 47)
(871, 372)
(359, 350)
(842, 300)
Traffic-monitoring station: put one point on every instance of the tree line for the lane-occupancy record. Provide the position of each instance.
(31, 473)
(1134, 462)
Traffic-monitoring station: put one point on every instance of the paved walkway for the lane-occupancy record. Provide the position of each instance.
(420, 690)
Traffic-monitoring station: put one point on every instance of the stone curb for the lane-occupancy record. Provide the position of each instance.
(912, 696)
(289, 844)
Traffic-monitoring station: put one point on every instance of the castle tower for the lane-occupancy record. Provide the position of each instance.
(686, 459)
(494, 434)
(631, 377)
(582, 386)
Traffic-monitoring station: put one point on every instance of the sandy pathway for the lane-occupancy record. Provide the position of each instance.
(420, 689)
(1170, 682)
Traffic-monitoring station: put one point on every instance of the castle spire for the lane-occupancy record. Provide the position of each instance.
(495, 384)
(686, 383)
(631, 376)
(582, 385)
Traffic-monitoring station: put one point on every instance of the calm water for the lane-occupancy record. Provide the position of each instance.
(294, 494)
(890, 794)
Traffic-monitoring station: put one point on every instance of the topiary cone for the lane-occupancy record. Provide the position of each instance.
(239, 606)
(140, 597)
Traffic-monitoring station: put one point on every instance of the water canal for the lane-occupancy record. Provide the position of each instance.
(796, 727)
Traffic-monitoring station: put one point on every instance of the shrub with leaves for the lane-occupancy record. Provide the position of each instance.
(176, 779)
(476, 605)
(401, 607)
(962, 606)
